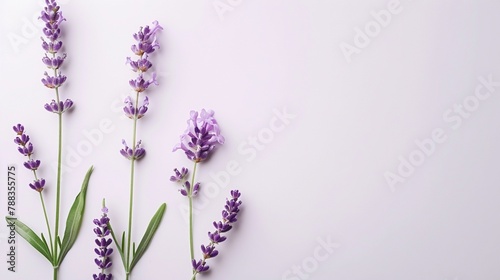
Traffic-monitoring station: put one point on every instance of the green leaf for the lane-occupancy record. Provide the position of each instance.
(123, 241)
(44, 241)
(30, 236)
(75, 217)
(148, 235)
(117, 243)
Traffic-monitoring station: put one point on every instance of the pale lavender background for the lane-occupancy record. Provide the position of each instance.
(320, 177)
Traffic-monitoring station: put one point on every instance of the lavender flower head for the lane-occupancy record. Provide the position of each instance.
(146, 39)
(201, 136)
(25, 147)
(103, 261)
(229, 216)
(146, 43)
(52, 17)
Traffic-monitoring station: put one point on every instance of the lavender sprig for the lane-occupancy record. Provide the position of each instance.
(229, 216)
(103, 261)
(53, 79)
(146, 44)
(26, 149)
(52, 44)
(52, 17)
(198, 141)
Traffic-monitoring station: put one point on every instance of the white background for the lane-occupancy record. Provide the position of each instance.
(320, 177)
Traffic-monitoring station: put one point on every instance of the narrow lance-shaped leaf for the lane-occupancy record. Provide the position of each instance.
(117, 243)
(45, 242)
(148, 235)
(75, 217)
(123, 241)
(30, 236)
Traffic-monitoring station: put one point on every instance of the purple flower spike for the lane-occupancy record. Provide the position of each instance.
(130, 153)
(38, 185)
(26, 149)
(231, 209)
(201, 136)
(179, 175)
(52, 18)
(146, 44)
(102, 231)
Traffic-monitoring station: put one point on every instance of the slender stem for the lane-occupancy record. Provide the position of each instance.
(44, 213)
(47, 222)
(131, 202)
(191, 227)
(56, 270)
(58, 186)
(132, 170)
(190, 195)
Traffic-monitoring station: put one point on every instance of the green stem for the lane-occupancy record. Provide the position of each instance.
(190, 195)
(131, 202)
(191, 227)
(56, 270)
(58, 184)
(47, 223)
(44, 213)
